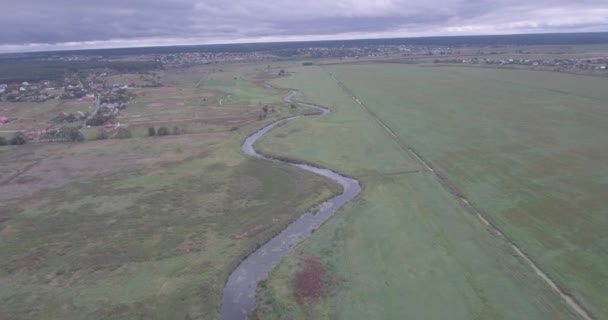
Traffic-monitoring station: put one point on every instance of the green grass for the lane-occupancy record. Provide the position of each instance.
(237, 88)
(527, 147)
(158, 242)
(404, 248)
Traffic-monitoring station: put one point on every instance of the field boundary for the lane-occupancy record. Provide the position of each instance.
(453, 189)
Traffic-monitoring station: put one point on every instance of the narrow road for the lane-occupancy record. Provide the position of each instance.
(450, 186)
(239, 293)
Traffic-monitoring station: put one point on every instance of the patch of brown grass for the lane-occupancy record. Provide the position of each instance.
(309, 281)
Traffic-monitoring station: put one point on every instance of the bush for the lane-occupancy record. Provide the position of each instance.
(96, 120)
(3, 141)
(102, 135)
(162, 131)
(72, 134)
(151, 132)
(18, 139)
(123, 133)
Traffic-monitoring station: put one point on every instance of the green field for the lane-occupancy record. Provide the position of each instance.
(143, 228)
(151, 227)
(527, 147)
(405, 248)
(236, 87)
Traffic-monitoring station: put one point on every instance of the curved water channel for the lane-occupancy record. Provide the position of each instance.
(239, 293)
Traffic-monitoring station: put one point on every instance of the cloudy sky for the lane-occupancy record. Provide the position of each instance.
(28, 25)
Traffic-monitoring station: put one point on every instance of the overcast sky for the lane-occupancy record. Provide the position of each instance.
(28, 25)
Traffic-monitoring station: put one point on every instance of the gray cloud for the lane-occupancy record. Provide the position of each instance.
(82, 23)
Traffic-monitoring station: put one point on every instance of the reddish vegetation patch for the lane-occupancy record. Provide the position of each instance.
(308, 282)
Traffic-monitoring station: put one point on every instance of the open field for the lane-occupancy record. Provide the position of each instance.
(33, 114)
(143, 227)
(235, 85)
(405, 248)
(526, 147)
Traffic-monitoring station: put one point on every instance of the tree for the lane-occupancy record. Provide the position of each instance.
(3, 141)
(151, 132)
(162, 131)
(281, 73)
(72, 134)
(18, 139)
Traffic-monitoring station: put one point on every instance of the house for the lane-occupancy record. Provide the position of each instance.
(25, 83)
(3, 88)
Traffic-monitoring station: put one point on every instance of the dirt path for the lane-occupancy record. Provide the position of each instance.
(451, 187)
(239, 293)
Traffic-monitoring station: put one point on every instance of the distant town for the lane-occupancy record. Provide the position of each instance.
(106, 81)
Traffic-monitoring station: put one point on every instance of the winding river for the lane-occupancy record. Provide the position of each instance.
(239, 293)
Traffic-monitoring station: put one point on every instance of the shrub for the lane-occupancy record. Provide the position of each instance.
(162, 131)
(72, 134)
(102, 135)
(18, 139)
(151, 132)
(123, 133)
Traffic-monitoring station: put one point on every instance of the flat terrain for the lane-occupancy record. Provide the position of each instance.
(141, 228)
(529, 148)
(405, 248)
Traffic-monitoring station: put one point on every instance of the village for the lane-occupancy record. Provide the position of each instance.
(105, 98)
(559, 65)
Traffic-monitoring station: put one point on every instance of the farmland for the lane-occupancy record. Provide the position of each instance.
(524, 146)
(147, 227)
(150, 225)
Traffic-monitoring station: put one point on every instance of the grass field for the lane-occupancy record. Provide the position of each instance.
(142, 228)
(235, 85)
(527, 147)
(405, 248)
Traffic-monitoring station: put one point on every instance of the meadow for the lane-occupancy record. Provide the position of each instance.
(527, 147)
(148, 227)
(405, 248)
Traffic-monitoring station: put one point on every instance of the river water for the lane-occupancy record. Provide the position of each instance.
(239, 293)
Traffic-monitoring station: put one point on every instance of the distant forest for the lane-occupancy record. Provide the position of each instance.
(454, 41)
(29, 69)
(34, 66)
